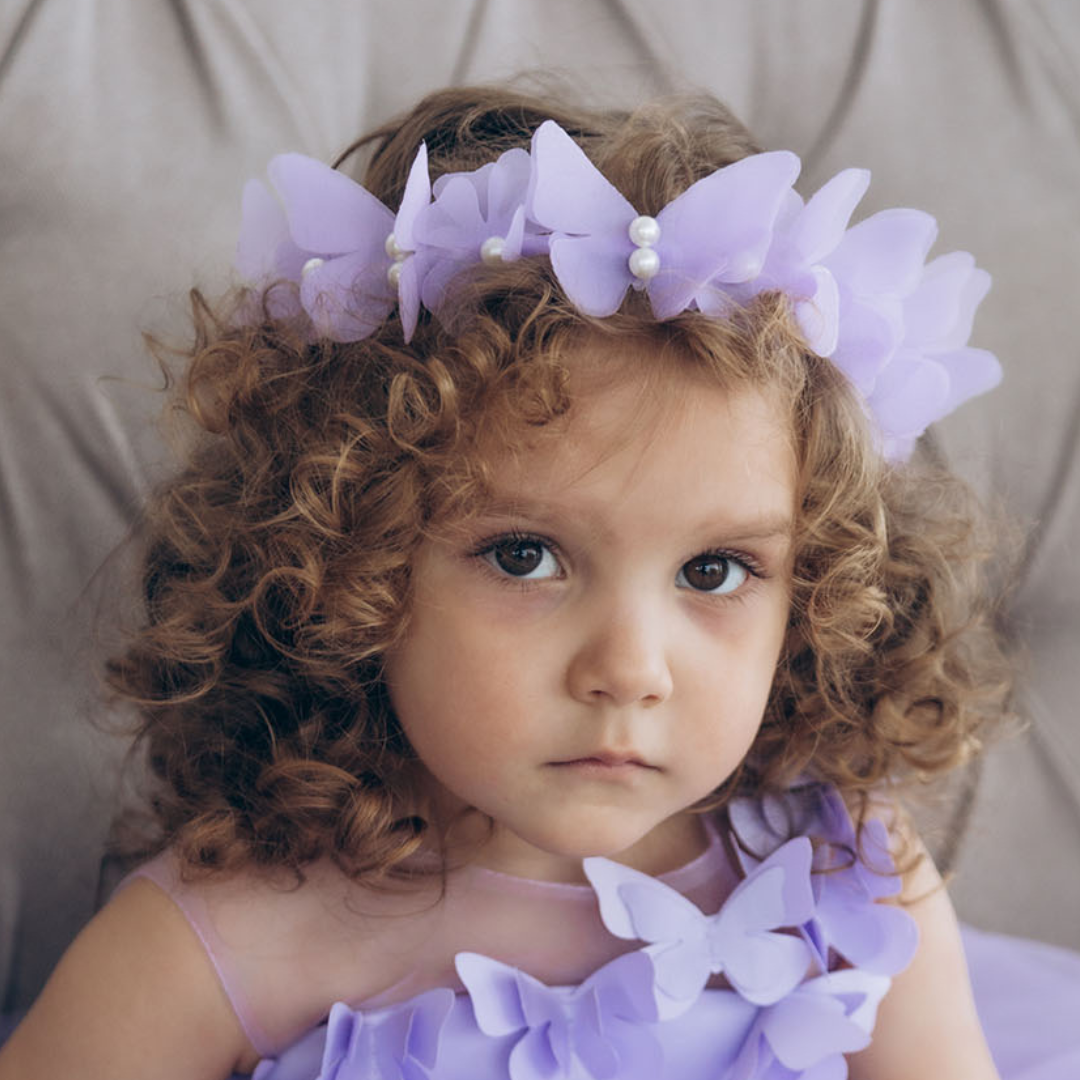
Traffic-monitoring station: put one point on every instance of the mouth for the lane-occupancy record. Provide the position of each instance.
(606, 762)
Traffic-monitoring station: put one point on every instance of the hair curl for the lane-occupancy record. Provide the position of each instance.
(276, 573)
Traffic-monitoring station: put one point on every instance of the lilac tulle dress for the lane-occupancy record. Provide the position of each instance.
(693, 974)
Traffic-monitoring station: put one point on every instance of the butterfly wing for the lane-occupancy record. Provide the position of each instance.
(588, 218)
(494, 992)
(328, 212)
(760, 963)
(719, 229)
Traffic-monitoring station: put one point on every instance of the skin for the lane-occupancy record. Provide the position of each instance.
(571, 670)
(566, 675)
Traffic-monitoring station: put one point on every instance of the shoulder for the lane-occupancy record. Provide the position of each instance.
(283, 949)
(927, 1023)
(127, 1000)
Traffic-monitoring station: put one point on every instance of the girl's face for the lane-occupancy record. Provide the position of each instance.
(592, 653)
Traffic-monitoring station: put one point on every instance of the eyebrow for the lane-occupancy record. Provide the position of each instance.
(767, 527)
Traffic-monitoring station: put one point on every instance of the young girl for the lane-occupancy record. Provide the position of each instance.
(542, 624)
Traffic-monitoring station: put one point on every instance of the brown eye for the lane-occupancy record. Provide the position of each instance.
(717, 574)
(522, 557)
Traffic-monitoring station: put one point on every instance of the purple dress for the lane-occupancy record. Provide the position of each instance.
(805, 958)
(688, 975)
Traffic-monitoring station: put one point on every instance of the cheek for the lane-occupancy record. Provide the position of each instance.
(732, 676)
(739, 645)
(457, 693)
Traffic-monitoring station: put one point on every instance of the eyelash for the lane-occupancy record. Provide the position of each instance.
(489, 545)
(492, 543)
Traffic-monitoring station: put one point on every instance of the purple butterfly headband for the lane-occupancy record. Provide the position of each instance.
(864, 296)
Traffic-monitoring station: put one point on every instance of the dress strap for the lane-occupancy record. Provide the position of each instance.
(164, 873)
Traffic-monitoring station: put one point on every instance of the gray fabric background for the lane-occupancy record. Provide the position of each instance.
(127, 128)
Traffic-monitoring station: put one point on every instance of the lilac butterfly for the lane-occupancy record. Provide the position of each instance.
(398, 1043)
(348, 252)
(740, 940)
(806, 1035)
(805, 233)
(904, 324)
(878, 938)
(715, 233)
(866, 298)
(933, 370)
(875, 937)
(594, 1031)
(475, 217)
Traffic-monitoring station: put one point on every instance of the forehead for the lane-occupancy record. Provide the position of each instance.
(672, 437)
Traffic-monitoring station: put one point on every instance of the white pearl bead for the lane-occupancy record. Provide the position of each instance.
(393, 275)
(392, 248)
(311, 264)
(644, 230)
(644, 263)
(491, 250)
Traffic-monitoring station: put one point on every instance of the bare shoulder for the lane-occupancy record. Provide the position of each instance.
(127, 1000)
(927, 1025)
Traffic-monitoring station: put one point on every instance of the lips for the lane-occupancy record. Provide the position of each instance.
(608, 759)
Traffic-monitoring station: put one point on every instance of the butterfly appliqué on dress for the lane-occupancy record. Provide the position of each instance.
(805, 1035)
(742, 940)
(595, 1031)
(852, 871)
(398, 1043)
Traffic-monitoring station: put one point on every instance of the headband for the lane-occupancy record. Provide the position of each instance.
(864, 296)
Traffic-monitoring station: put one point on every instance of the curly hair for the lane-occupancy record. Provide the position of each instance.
(277, 566)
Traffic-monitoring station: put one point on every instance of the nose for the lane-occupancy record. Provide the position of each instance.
(623, 660)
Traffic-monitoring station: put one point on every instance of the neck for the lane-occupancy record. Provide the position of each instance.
(673, 843)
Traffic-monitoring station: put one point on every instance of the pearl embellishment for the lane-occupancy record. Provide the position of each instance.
(491, 250)
(644, 231)
(398, 254)
(311, 264)
(644, 263)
